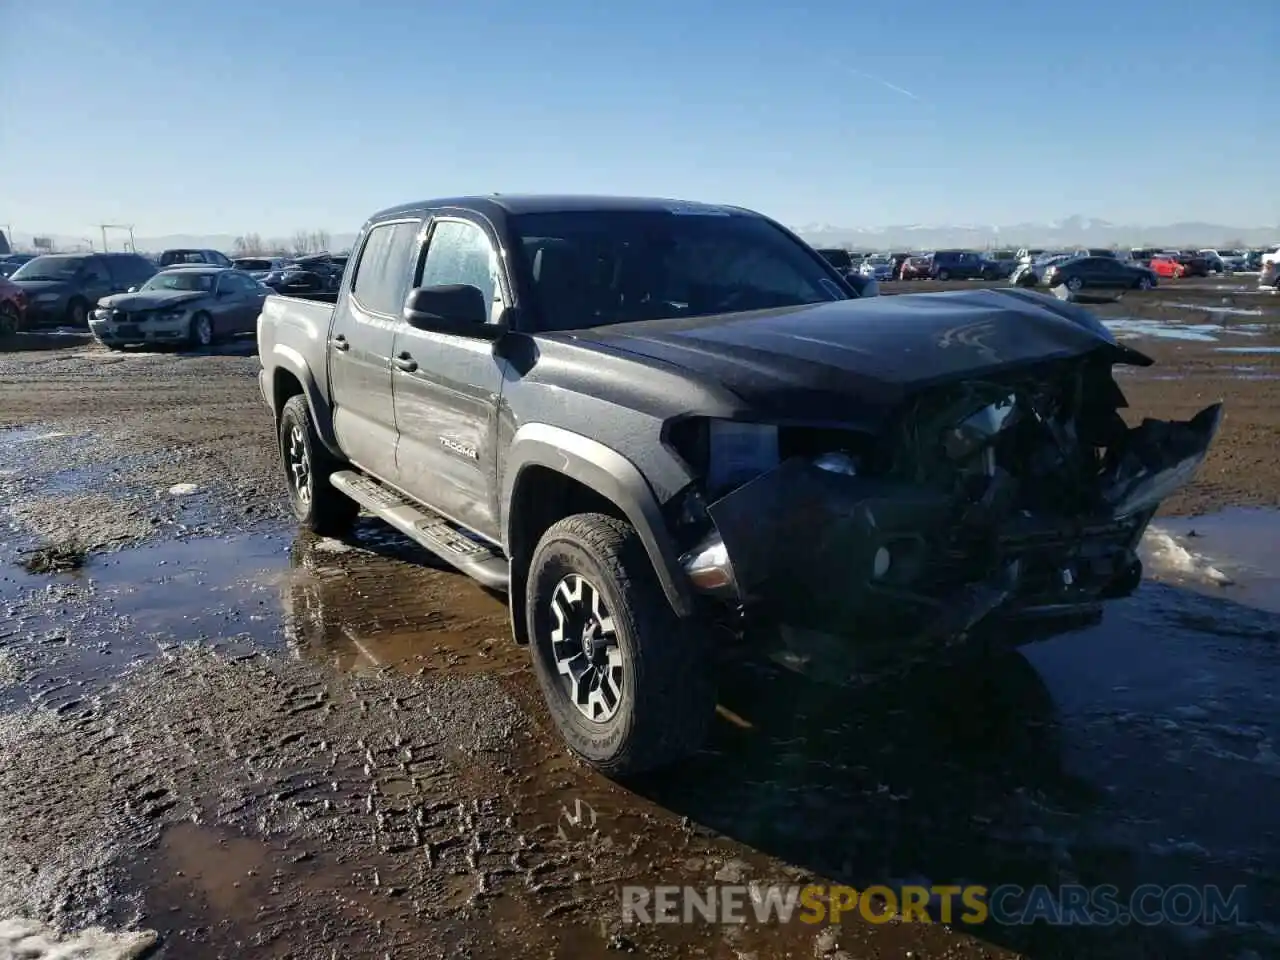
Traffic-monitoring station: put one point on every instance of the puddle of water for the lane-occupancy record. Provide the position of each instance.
(1235, 553)
(1101, 756)
(1247, 349)
(16, 435)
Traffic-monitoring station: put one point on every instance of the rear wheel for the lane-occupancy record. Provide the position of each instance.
(10, 320)
(316, 503)
(629, 685)
(77, 313)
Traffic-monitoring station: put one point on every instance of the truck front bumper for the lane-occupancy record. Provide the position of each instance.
(842, 553)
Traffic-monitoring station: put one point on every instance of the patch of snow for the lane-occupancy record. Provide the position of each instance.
(183, 489)
(22, 939)
(1164, 554)
(329, 545)
(1232, 311)
(52, 435)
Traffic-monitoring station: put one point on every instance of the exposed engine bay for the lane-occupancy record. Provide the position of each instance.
(1025, 494)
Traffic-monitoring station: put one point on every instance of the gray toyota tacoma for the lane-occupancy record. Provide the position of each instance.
(647, 419)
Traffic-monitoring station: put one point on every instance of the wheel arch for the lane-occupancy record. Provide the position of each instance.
(290, 376)
(550, 470)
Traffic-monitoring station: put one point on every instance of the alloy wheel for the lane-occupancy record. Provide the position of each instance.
(204, 331)
(584, 646)
(299, 465)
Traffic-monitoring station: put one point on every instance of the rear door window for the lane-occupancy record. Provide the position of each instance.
(382, 272)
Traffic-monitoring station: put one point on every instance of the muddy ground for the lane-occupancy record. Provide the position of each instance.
(254, 743)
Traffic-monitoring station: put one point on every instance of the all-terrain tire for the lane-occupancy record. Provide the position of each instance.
(316, 503)
(668, 674)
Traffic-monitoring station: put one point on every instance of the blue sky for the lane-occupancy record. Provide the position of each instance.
(236, 116)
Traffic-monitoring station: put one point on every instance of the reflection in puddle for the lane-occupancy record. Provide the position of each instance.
(1247, 349)
(1131, 327)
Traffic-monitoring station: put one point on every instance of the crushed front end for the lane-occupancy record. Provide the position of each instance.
(1016, 495)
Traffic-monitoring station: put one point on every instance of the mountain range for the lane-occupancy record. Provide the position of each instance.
(1075, 231)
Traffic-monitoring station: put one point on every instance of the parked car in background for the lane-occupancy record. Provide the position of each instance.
(1141, 256)
(1227, 260)
(1194, 265)
(956, 265)
(296, 282)
(878, 267)
(63, 287)
(1253, 260)
(999, 264)
(1269, 267)
(1099, 273)
(1032, 273)
(10, 262)
(13, 307)
(258, 267)
(173, 257)
(918, 267)
(1163, 265)
(195, 305)
(838, 257)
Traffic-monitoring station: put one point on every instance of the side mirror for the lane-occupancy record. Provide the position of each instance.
(457, 308)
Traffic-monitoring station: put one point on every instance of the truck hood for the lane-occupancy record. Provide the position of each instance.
(150, 299)
(811, 361)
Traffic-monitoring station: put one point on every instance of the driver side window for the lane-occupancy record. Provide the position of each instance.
(460, 252)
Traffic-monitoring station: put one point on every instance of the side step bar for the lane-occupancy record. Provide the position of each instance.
(426, 527)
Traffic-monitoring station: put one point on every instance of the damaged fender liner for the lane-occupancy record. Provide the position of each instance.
(851, 553)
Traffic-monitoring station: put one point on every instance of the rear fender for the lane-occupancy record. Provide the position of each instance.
(288, 359)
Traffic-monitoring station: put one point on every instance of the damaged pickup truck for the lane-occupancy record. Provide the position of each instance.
(644, 419)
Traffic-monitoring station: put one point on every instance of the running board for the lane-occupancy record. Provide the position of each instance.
(426, 527)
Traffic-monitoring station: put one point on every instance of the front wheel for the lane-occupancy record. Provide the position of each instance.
(629, 685)
(318, 505)
(1075, 284)
(1144, 283)
(201, 332)
(944, 274)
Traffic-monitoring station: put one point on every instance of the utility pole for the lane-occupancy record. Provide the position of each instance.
(104, 227)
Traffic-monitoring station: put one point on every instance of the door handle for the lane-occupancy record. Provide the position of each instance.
(340, 343)
(406, 363)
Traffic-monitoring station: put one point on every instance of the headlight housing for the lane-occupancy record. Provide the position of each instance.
(168, 316)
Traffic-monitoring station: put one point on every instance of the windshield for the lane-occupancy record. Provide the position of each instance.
(49, 268)
(593, 268)
(249, 264)
(180, 280)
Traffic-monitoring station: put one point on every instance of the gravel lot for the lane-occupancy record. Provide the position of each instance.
(255, 743)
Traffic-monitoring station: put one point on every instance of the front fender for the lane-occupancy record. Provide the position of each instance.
(289, 360)
(609, 474)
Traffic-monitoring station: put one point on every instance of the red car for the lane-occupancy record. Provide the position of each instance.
(917, 268)
(13, 307)
(1166, 266)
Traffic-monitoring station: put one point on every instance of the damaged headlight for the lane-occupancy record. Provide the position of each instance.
(738, 452)
(979, 429)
